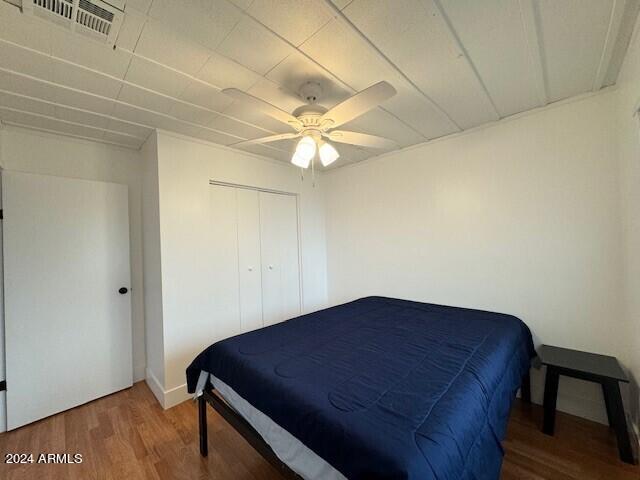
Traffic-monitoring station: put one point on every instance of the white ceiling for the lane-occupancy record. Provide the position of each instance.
(456, 64)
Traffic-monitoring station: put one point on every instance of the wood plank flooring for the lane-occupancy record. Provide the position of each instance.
(127, 435)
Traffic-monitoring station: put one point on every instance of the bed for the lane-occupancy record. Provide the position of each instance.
(377, 388)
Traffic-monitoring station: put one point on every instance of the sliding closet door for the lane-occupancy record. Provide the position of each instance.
(224, 282)
(67, 300)
(280, 263)
(249, 259)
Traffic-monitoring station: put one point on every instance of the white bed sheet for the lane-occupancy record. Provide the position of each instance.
(297, 456)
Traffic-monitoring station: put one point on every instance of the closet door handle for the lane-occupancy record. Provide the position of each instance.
(250, 269)
(270, 267)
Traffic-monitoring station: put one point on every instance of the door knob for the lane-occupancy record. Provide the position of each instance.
(123, 290)
(250, 269)
(270, 267)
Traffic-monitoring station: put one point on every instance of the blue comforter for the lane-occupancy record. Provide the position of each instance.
(383, 388)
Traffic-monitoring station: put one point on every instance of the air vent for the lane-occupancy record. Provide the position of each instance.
(95, 18)
(61, 8)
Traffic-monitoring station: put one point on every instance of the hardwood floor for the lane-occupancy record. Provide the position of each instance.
(128, 436)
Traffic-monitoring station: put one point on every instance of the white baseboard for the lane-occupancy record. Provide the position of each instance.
(166, 398)
(176, 395)
(155, 386)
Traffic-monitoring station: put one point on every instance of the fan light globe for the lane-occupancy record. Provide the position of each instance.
(300, 161)
(306, 148)
(328, 154)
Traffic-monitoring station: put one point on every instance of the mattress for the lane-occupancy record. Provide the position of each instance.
(297, 456)
(383, 388)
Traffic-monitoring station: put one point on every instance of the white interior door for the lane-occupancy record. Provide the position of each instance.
(280, 263)
(67, 327)
(249, 259)
(224, 282)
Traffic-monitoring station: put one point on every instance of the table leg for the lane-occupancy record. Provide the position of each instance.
(550, 398)
(607, 405)
(617, 419)
(202, 420)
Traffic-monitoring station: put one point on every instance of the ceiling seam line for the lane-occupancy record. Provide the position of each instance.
(509, 118)
(456, 39)
(221, 113)
(123, 81)
(117, 101)
(235, 25)
(42, 115)
(190, 77)
(146, 19)
(331, 74)
(534, 49)
(297, 47)
(60, 132)
(339, 15)
(264, 76)
(147, 137)
(338, 79)
(213, 50)
(127, 104)
(292, 45)
(615, 20)
(55, 104)
(281, 38)
(180, 100)
(260, 156)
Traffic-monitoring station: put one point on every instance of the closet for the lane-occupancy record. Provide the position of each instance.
(255, 254)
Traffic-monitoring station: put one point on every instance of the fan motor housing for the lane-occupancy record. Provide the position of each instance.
(309, 115)
(311, 92)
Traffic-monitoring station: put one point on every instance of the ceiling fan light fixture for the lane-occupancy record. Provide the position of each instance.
(312, 121)
(300, 161)
(328, 154)
(306, 147)
(305, 151)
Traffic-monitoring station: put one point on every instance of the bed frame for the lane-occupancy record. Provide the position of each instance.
(245, 429)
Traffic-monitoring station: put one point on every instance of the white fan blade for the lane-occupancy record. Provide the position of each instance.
(358, 104)
(264, 107)
(272, 138)
(355, 138)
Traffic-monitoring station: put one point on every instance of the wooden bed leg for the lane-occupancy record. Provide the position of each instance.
(526, 388)
(202, 420)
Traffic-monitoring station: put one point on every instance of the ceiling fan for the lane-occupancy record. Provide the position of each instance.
(314, 123)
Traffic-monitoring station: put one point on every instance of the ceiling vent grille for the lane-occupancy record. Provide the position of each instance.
(62, 8)
(95, 18)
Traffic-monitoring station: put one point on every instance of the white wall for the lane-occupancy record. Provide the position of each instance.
(628, 129)
(154, 335)
(520, 217)
(44, 153)
(185, 167)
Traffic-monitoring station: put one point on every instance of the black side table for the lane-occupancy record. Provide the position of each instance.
(601, 369)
